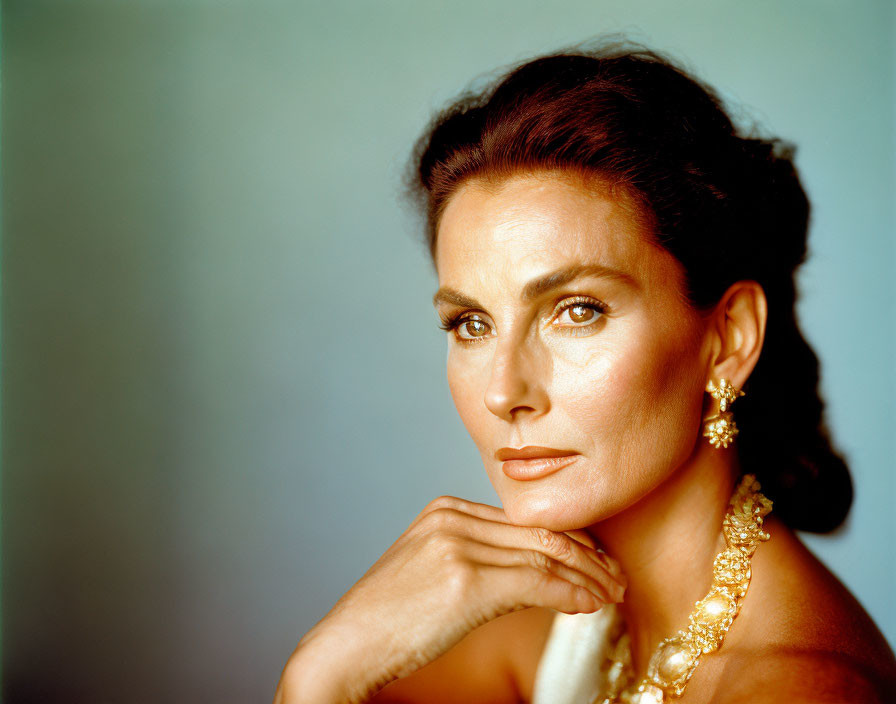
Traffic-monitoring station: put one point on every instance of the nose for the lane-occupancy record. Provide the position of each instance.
(516, 383)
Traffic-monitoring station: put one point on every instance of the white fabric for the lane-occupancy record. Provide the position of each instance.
(569, 671)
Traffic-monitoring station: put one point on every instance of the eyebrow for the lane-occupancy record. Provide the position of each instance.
(542, 284)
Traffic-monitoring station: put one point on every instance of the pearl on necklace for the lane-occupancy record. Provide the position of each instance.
(675, 659)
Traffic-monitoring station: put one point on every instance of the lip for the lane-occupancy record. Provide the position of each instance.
(531, 452)
(533, 462)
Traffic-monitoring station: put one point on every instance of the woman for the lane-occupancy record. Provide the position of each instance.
(616, 279)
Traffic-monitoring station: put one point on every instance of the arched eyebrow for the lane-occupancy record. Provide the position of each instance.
(539, 286)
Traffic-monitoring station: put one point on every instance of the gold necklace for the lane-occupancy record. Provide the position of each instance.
(675, 659)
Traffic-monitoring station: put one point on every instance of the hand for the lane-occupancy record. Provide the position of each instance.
(458, 565)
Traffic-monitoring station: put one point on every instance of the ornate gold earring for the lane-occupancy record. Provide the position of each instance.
(720, 428)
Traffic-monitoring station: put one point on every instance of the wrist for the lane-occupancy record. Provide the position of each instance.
(305, 681)
(328, 667)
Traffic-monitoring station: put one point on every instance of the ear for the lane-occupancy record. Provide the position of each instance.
(738, 329)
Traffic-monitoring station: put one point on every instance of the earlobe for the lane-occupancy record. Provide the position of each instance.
(740, 320)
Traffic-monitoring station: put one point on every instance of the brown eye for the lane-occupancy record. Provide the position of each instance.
(474, 327)
(581, 314)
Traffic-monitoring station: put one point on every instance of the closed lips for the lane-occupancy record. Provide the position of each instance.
(531, 462)
(530, 452)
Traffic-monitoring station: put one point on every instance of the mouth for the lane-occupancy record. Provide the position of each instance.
(533, 462)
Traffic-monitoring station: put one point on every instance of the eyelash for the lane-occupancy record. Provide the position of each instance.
(450, 323)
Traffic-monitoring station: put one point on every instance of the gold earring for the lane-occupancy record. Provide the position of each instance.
(720, 428)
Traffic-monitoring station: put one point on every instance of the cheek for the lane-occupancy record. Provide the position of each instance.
(465, 382)
(635, 400)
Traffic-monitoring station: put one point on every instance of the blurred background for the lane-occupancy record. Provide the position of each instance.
(223, 381)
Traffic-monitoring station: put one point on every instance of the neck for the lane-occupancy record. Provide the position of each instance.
(666, 544)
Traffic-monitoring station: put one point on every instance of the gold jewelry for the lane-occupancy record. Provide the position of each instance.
(720, 428)
(675, 659)
(725, 392)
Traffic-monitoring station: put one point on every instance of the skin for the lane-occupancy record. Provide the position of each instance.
(627, 392)
(614, 369)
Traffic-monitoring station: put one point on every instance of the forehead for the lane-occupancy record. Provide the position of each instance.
(528, 223)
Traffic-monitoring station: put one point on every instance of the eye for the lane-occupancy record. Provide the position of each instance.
(580, 311)
(474, 327)
(467, 327)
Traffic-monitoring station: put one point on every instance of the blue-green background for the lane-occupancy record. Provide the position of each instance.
(223, 384)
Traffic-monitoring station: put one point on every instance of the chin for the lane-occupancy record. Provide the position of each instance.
(554, 510)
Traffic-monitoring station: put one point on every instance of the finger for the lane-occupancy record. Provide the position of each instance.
(485, 554)
(484, 511)
(466, 518)
(521, 586)
(558, 546)
(584, 537)
(613, 566)
(493, 513)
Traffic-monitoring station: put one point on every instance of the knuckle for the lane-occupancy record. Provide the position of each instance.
(554, 544)
(541, 561)
(440, 519)
(441, 546)
(440, 502)
(459, 580)
(446, 547)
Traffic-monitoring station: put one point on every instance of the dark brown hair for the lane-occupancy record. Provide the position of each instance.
(728, 206)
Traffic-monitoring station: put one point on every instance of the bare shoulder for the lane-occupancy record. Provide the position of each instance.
(799, 676)
(811, 640)
(493, 664)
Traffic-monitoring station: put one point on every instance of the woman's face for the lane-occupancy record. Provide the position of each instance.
(570, 333)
